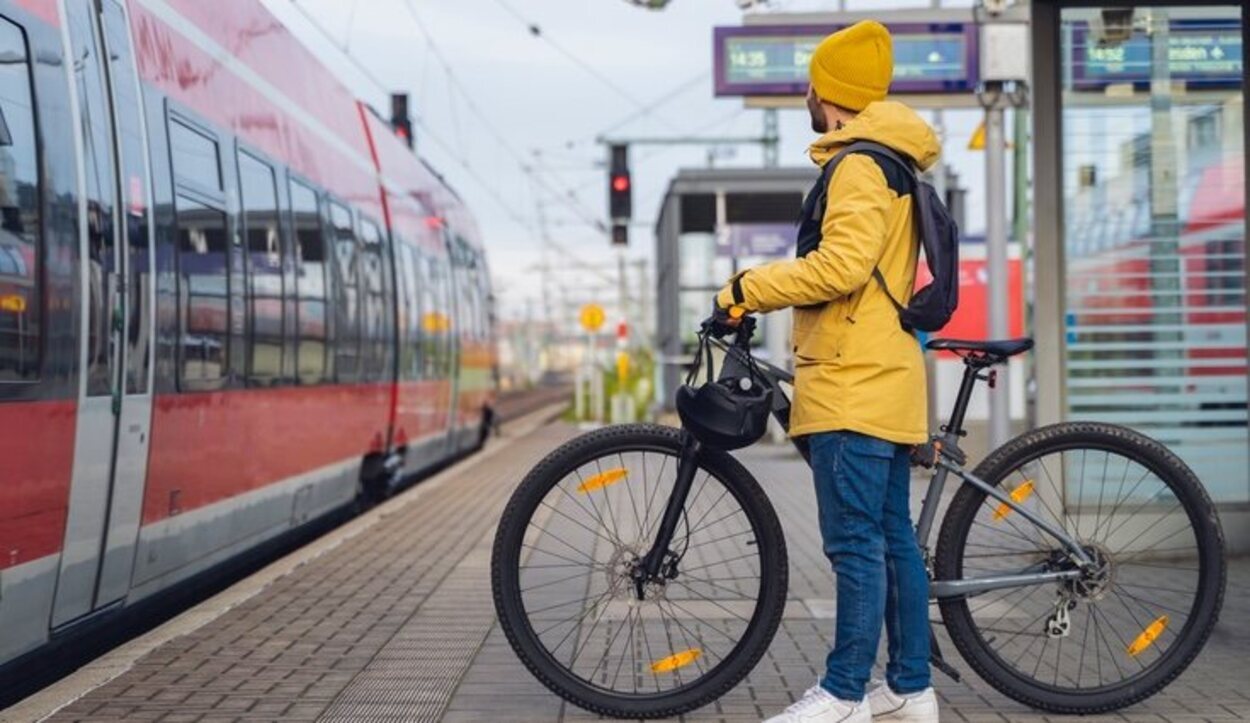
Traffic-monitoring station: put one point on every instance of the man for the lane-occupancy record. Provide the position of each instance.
(860, 383)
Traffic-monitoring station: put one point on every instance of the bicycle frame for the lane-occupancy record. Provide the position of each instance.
(947, 462)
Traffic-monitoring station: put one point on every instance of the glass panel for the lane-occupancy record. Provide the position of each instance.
(310, 283)
(376, 328)
(264, 261)
(21, 300)
(437, 321)
(126, 106)
(428, 292)
(97, 140)
(1154, 184)
(347, 312)
(204, 300)
(195, 157)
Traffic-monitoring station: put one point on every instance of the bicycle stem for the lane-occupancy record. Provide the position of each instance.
(686, 469)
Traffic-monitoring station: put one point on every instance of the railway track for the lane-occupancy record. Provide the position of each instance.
(512, 405)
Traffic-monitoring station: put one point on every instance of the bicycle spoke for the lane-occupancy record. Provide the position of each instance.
(1080, 667)
(591, 560)
(582, 603)
(579, 524)
(554, 582)
(629, 488)
(658, 483)
(607, 502)
(629, 643)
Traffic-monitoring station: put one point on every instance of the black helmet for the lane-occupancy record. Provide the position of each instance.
(729, 413)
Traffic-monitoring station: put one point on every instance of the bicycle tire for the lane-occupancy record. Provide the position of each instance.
(1155, 457)
(506, 587)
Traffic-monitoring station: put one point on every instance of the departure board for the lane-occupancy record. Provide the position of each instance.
(770, 60)
(1202, 53)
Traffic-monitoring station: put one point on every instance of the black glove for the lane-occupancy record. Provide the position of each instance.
(720, 324)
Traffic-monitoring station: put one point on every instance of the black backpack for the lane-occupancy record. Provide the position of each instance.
(930, 308)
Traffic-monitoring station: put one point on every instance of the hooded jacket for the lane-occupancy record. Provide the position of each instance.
(856, 368)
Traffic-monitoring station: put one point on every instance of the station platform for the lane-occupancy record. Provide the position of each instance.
(389, 618)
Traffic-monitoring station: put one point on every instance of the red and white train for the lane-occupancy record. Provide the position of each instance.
(232, 301)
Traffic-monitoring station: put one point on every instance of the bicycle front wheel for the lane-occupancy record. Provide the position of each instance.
(569, 540)
(1129, 625)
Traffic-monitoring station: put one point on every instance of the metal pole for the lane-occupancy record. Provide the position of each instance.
(997, 295)
(772, 137)
(621, 290)
(939, 185)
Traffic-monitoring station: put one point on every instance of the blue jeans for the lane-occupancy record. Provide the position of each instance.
(862, 486)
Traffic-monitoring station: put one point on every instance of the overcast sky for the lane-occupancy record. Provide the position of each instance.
(514, 99)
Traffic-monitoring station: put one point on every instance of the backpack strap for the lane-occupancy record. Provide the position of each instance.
(920, 199)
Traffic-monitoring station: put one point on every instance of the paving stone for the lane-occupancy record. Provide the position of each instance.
(397, 624)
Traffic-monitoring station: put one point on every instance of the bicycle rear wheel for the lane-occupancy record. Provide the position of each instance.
(1118, 634)
(561, 564)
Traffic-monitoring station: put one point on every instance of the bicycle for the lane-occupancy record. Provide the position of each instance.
(690, 585)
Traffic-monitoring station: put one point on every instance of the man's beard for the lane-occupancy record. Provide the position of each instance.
(820, 124)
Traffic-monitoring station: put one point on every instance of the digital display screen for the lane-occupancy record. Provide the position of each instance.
(1203, 53)
(773, 60)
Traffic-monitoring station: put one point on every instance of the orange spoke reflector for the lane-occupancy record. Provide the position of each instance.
(604, 479)
(1018, 495)
(676, 660)
(1148, 636)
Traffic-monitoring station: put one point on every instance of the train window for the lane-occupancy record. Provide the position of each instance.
(427, 301)
(203, 269)
(444, 288)
(21, 300)
(97, 161)
(264, 265)
(376, 328)
(434, 321)
(310, 284)
(135, 216)
(346, 303)
(195, 157)
(409, 343)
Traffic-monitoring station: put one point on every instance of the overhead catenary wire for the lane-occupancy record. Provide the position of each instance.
(536, 30)
(492, 192)
(506, 144)
(321, 30)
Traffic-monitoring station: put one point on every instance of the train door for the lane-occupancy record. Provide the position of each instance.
(115, 389)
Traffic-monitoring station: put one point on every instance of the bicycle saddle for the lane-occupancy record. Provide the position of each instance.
(1002, 348)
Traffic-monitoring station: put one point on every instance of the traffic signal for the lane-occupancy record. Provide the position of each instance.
(401, 121)
(620, 186)
(620, 234)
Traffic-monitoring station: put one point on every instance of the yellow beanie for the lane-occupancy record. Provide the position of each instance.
(853, 67)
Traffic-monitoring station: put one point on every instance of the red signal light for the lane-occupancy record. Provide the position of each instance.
(620, 184)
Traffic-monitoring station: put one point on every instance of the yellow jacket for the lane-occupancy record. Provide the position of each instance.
(856, 369)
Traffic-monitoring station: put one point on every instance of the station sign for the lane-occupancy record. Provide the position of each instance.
(772, 60)
(1202, 53)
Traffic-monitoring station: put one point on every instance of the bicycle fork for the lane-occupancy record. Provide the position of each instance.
(659, 562)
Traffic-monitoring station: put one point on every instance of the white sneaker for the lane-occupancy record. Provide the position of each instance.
(886, 705)
(820, 706)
